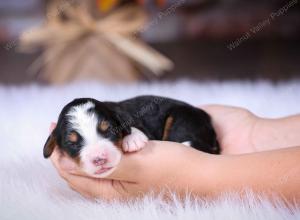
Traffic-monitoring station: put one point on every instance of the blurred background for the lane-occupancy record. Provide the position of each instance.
(244, 53)
(115, 41)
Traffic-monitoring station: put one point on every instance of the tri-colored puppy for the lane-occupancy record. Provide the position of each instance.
(96, 133)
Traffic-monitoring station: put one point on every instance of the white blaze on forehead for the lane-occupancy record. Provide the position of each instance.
(84, 122)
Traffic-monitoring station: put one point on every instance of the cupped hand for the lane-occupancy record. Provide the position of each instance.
(163, 165)
(159, 167)
(236, 128)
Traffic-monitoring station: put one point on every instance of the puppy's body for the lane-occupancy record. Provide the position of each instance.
(96, 132)
(170, 120)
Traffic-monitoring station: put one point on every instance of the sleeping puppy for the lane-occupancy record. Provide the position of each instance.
(95, 134)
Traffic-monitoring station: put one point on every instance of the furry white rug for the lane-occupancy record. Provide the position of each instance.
(31, 189)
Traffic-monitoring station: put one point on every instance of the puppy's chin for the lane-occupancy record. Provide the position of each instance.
(104, 174)
(105, 170)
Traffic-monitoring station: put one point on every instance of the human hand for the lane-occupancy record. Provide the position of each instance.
(240, 131)
(166, 165)
(236, 128)
(157, 168)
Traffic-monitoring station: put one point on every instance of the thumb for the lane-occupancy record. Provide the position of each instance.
(133, 165)
(127, 169)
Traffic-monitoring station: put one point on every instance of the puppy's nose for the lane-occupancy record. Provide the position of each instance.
(98, 161)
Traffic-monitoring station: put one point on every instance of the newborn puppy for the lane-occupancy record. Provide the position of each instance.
(96, 133)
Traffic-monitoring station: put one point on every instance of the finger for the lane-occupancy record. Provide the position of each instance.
(95, 188)
(65, 164)
(62, 163)
(52, 126)
(84, 194)
(132, 165)
(128, 168)
(88, 187)
(55, 159)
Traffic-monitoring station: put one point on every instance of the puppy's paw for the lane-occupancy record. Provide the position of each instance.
(134, 141)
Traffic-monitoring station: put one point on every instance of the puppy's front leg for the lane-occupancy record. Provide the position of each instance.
(134, 141)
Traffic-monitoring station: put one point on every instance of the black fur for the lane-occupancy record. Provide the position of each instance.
(149, 114)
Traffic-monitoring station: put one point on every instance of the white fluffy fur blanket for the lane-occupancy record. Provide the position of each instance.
(31, 189)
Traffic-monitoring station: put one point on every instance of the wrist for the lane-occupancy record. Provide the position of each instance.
(199, 173)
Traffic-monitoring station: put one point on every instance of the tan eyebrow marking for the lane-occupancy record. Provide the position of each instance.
(167, 128)
(73, 137)
(104, 125)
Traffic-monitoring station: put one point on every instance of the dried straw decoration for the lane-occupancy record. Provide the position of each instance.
(81, 43)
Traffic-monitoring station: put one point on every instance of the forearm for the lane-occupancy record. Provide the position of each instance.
(272, 134)
(271, 172)
(167, 165)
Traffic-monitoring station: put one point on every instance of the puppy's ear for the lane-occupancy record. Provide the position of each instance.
(49, 145)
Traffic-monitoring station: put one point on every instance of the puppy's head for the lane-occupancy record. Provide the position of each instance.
(87, 131)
